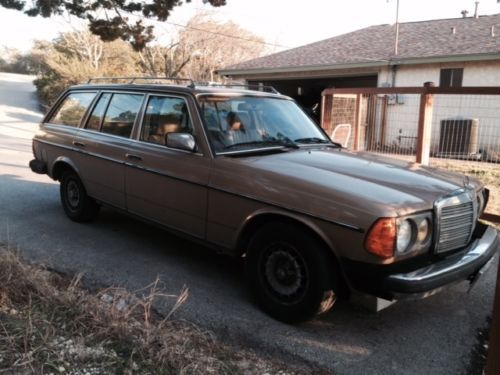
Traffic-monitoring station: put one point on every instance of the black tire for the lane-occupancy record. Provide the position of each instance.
(77, 205)
(290, 273)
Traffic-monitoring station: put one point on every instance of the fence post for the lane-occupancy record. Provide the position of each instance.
(425, 126)
(326, 112)
(357, 123)
(493, 362)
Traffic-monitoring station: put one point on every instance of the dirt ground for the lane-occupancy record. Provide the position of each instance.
(488, 173)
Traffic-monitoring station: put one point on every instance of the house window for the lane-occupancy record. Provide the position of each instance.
(451, 77)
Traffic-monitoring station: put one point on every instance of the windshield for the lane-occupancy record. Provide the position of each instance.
(240, 123)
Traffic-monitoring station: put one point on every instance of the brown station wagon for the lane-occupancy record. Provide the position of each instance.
(250, 174)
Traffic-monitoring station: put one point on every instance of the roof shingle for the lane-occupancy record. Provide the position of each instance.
(422, 39)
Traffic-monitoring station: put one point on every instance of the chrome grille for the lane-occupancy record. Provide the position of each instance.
(456, 222)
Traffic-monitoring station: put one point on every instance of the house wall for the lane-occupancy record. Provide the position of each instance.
(478, 73)
(402, 116)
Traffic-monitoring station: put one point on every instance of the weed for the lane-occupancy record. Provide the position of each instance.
(49, 324)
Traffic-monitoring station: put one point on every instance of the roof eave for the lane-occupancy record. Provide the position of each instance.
(370, 64)
(445, 59)
(293, 69)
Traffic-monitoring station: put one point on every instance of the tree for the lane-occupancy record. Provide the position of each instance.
(3, 65)
(168, 61)
(213, 45)
(77, 56)
(109, 19)
(14, 61)
(203, 46)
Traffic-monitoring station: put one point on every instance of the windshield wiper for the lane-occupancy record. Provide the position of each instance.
(266, 142)
(316, 140)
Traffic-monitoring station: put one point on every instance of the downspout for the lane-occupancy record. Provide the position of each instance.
(394, 70)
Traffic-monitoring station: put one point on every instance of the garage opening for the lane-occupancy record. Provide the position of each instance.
(307, 92)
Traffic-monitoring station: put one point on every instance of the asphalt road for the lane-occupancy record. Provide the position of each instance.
(432, 336)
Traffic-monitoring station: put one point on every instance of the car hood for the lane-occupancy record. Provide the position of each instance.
(339, 182)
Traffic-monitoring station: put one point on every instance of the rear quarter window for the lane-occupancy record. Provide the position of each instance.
(72, 109)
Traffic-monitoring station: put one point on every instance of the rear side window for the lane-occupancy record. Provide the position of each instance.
(164, 115)
(121, 113)
(72, 109)
(95, 119)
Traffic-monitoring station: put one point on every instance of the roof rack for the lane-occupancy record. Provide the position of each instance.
(191, 84)
(255, 87)
(135, 79)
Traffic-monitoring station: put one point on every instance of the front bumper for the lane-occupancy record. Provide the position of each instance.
(446, 271)
(424, 278)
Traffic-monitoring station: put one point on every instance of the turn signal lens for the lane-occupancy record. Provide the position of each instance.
(381, 239)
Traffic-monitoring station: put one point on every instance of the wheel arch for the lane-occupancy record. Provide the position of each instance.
(62, 164)
(260, 218)
(263, 217)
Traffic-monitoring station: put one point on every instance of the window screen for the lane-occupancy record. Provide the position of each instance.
(72, 109)
(121, 113)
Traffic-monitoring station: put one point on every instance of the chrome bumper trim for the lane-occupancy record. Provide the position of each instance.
(479, 252)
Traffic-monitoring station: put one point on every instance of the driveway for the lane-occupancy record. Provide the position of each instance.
(432, 336)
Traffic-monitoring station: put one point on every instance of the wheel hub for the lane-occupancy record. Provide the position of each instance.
(285, 271)
(73, 194)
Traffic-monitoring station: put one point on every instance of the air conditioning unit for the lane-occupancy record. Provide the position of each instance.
(459, 139)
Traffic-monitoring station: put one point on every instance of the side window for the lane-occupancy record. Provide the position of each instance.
(164, 115)
(97, 115)
(121, 113)
(72, 109)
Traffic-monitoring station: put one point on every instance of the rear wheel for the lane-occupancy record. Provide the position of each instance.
(290, 273)
(77, 205)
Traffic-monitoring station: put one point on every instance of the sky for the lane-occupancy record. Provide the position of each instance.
(282, 23)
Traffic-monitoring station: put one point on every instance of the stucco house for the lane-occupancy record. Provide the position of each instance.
(449, 52)
(457, 51)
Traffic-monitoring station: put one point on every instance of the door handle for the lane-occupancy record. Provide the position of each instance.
(133, 157)
(78, 144)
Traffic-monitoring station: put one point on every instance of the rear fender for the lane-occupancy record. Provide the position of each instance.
(59, 165)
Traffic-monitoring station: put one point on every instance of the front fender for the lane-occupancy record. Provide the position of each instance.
(260, 216)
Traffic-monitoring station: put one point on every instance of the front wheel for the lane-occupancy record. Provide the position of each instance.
(77, 205)
(290, 273)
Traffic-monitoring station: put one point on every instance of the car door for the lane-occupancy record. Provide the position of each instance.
(163, 184)
(60, 127)
(103, 143)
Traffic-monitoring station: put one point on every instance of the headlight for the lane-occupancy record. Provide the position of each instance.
(404, 235)
(423, 231)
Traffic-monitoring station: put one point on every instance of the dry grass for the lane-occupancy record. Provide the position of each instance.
(49, 324)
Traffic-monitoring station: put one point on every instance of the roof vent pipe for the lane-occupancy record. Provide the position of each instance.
(492, 30)
(464, 13)
(476, 9)
(453, 30)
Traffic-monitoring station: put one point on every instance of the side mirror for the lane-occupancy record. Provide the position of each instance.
(181, 141)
